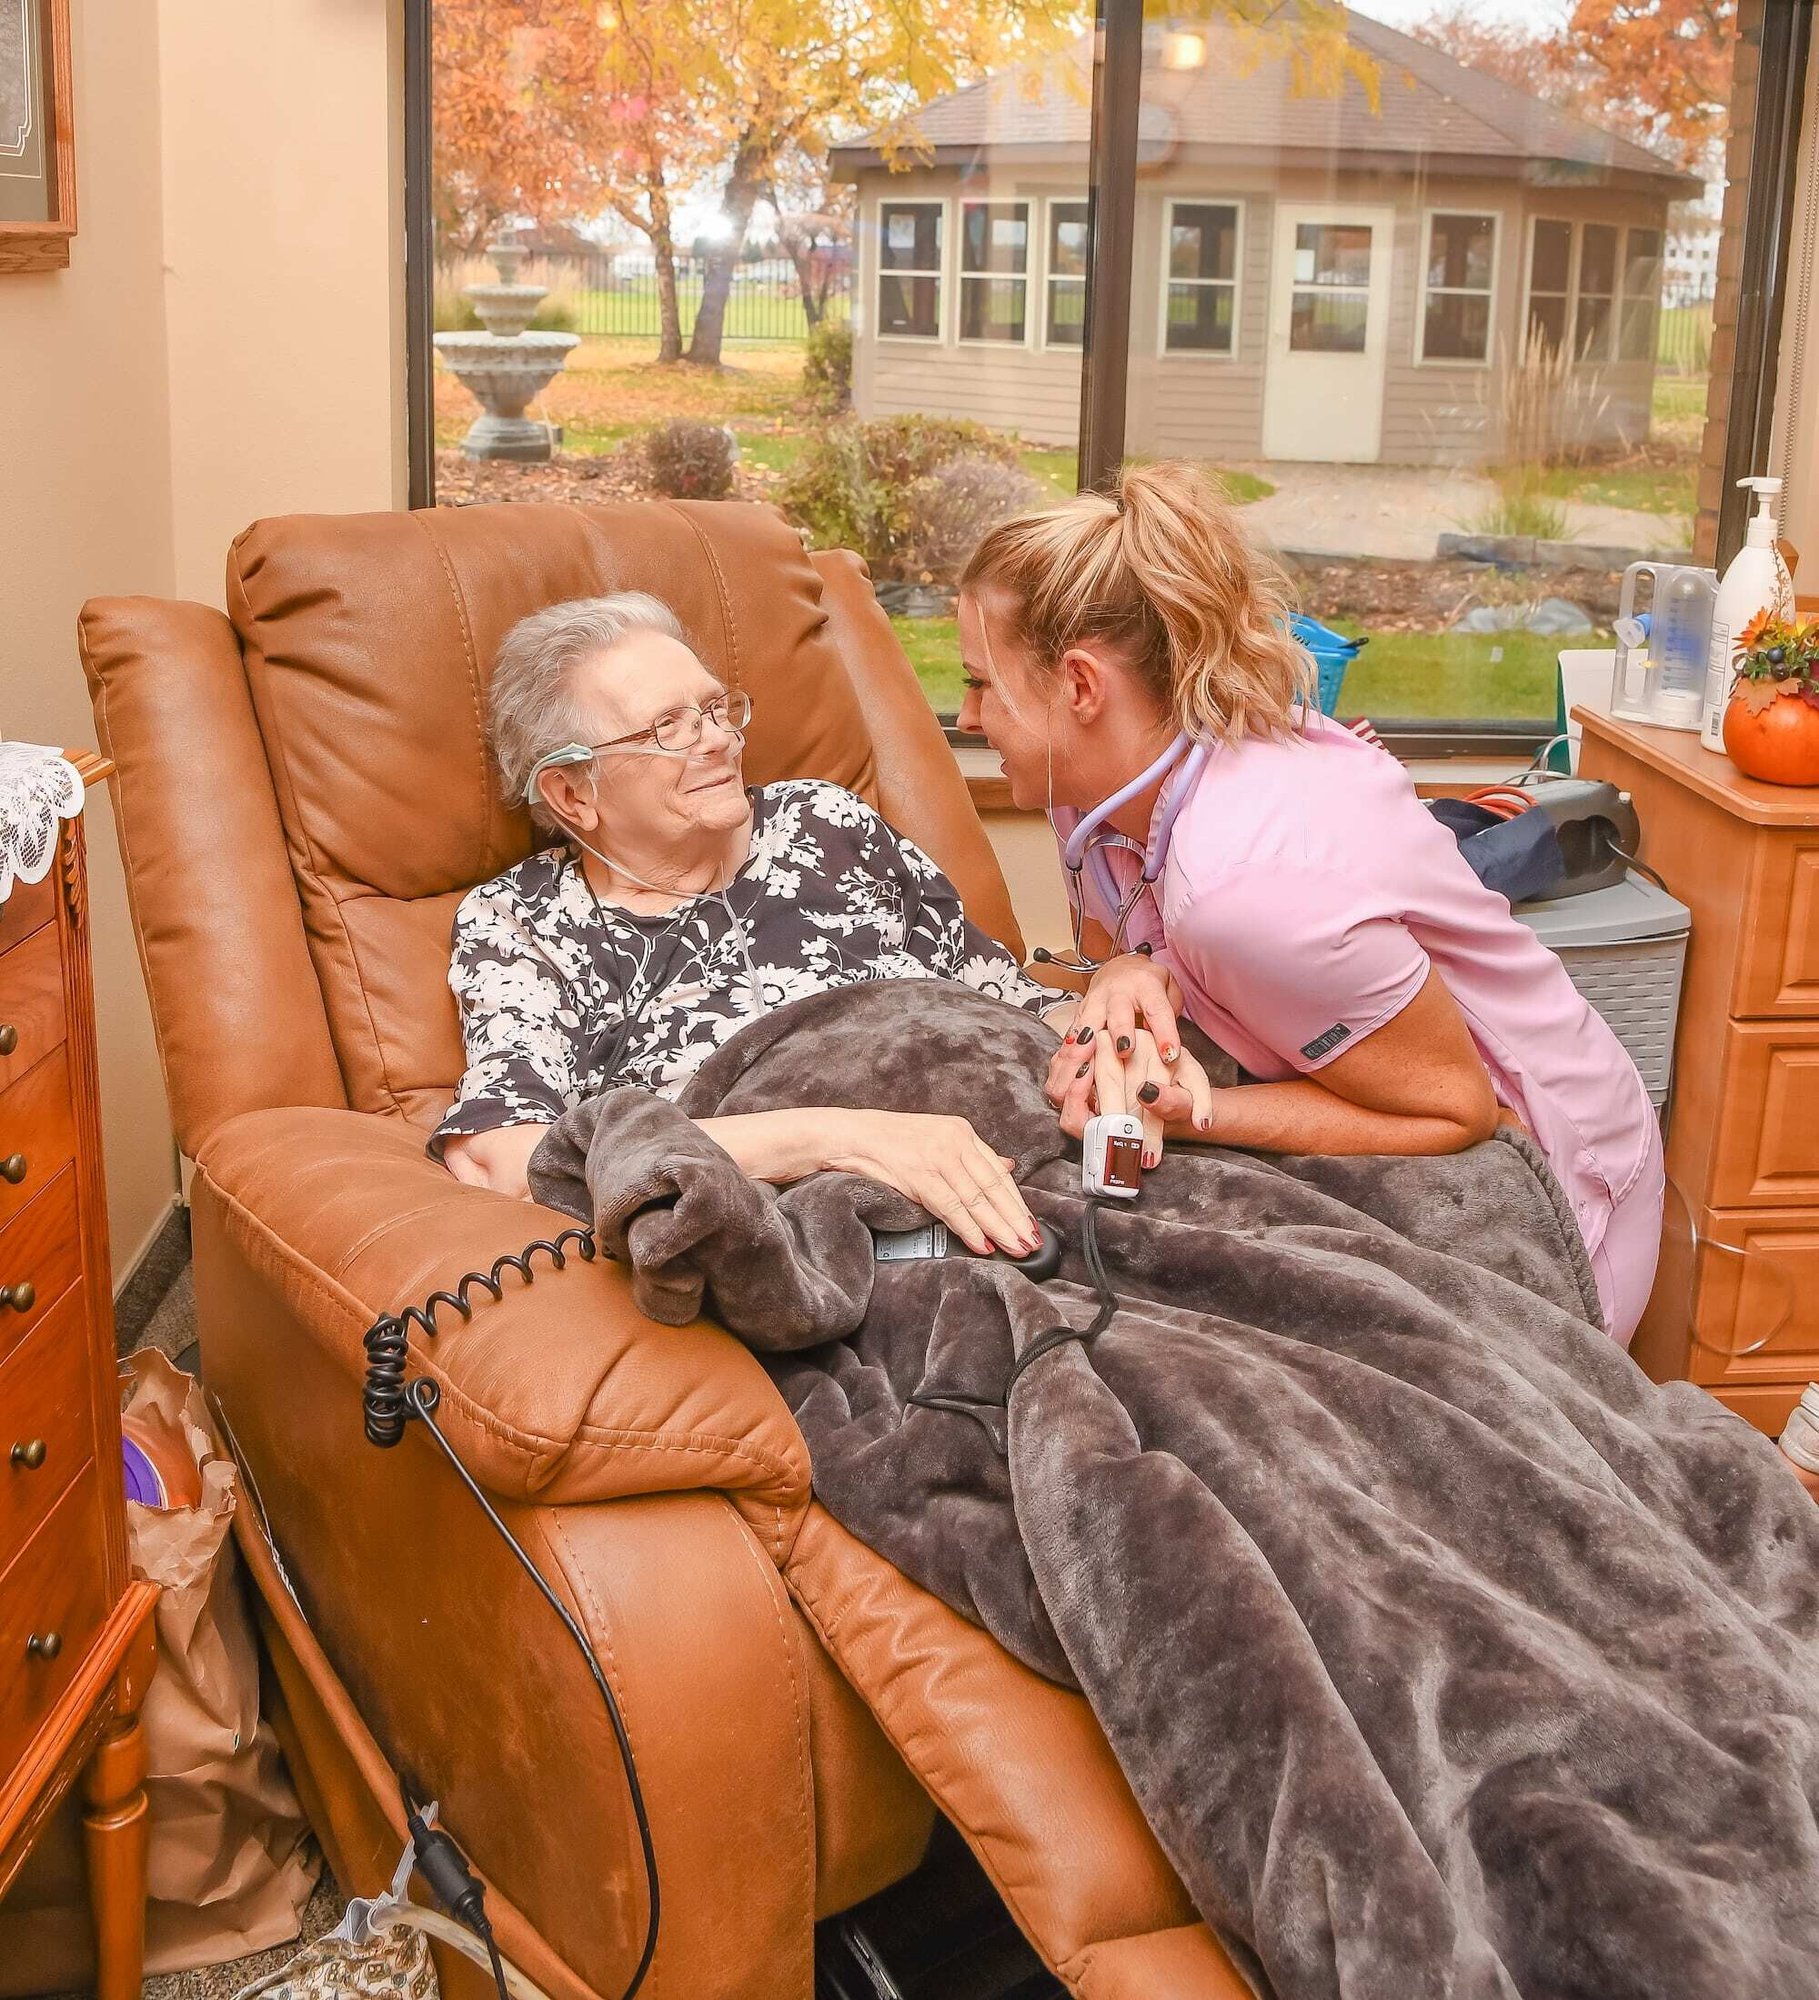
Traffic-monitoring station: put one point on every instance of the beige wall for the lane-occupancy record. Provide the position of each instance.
(85, 507)
(224, 344)
(283, 231)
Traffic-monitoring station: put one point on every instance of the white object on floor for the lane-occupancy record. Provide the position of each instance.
(38, 787)
(1800, 1438)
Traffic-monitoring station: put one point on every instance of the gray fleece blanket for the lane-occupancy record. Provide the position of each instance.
(1446, 1655)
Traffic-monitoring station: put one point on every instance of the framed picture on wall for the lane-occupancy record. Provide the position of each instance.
(37, 139)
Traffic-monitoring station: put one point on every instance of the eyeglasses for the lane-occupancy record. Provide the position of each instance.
(678, 730)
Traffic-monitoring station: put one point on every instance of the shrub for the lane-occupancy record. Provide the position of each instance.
(690, 461)
(851, 488)
(827, 365)
(947, 510)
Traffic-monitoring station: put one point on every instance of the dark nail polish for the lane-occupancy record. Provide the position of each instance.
(1082, 1070)
(1149, 1093)
(1124, 1045)
(1086, 1034)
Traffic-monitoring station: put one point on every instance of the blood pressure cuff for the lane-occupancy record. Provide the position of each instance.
(1520, 858)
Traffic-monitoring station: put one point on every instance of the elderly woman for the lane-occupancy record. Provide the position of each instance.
(679, 905)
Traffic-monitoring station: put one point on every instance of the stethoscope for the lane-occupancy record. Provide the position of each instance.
(1083, 853)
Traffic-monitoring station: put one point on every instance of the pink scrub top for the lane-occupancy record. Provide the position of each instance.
(1305, 895)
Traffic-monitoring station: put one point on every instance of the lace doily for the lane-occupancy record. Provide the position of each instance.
(38, 787)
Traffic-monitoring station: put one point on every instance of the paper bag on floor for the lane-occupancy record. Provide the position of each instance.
(231, 1868)
(231, 1865)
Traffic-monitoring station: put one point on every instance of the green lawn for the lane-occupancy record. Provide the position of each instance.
(1451, 675)
(1654, 489)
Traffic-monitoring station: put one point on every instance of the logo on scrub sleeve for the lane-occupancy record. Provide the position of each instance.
(1324, 1045)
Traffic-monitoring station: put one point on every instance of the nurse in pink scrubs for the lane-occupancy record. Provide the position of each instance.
(1274, 877)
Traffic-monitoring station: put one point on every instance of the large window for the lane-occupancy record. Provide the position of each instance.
(1401, 315)
(1200, 298)
(994, 266)
(1458, 284)
(909, 269)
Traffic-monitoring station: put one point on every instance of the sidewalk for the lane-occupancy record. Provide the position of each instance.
(1400, 510)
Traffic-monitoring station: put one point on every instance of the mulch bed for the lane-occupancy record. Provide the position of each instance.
(1414, 596)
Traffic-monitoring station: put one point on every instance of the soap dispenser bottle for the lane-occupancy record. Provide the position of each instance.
(1756, 581)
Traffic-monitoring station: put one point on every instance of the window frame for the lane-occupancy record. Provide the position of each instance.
(1618, 232)
(963, 277)
(1048, 204)
(1237, 204)
(1567, 297)
(1625, 298)
(940, 203)
(1424, 291)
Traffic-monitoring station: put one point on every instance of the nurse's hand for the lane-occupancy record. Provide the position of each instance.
(1162, 1094)
(1127, 995)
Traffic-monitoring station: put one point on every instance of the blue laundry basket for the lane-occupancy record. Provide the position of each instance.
(1332, 652)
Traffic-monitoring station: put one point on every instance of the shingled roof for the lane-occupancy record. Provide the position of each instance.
(1431, 111)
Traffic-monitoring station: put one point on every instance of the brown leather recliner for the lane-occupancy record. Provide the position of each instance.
(303, 796)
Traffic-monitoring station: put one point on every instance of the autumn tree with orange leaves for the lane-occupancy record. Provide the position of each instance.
(562, 109)
(1654, 71)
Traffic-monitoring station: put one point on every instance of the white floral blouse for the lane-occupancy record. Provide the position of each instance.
(547, 977)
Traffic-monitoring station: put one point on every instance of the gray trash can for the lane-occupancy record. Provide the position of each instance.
(1625, 949)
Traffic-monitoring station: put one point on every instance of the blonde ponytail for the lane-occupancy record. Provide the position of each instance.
(1159, 572)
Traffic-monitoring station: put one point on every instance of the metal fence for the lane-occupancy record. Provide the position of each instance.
(614, 293)
(1683, 338)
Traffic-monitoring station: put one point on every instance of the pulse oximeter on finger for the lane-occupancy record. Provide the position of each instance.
(1111, 1155)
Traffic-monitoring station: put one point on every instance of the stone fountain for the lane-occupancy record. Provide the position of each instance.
(505, 367)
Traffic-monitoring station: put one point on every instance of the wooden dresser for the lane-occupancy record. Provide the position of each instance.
(76, 1639)
(1743, 1131)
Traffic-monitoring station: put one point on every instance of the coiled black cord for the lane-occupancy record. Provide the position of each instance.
(388, 1338)
(389, 1402)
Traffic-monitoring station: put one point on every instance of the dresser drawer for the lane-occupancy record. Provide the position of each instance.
(47, 1419)
(37, 1133)
(1778, 944)
(1765, 1301)
(41, 1247)
(31, 906)
(56, 1585)
(1766, 1408)
(31, 1003)
(1765, 1151)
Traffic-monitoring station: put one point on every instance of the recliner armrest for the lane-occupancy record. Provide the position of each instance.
(560, 1391)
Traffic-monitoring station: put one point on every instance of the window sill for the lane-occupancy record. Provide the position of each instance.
(1435, 777)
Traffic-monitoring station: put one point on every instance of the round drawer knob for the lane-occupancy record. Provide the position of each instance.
(44, 1645)
(9, 1038)
(13, 1168)
(21, 1297)
(28, 1457)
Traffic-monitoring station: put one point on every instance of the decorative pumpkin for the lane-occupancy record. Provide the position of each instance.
(1771, 725)
(1778, 743)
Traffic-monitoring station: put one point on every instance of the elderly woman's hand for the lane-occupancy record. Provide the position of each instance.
(499, 1159)
(940, 1162)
